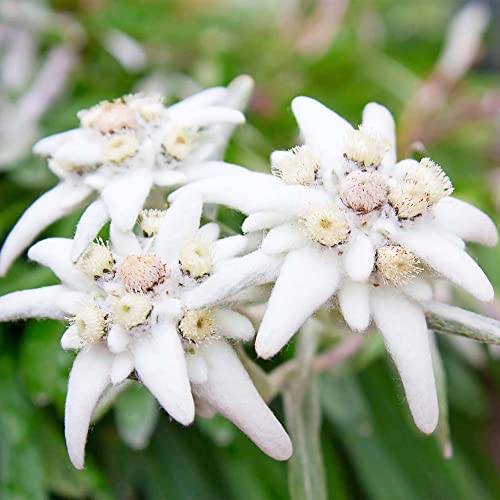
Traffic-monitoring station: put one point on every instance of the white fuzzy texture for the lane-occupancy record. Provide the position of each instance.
(403, 327)
(55, 302)
(237, 274)
(359, 258)
(284, 238)
(233, 325)
(237, 399)
(354, 302)
(51, 206)
(88, 379)
(161, 367)
(308, 278)
(448, 260)
(89, 225)
(465, 221)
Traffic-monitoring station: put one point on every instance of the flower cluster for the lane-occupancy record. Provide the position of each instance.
(339, 221)
(345, 222)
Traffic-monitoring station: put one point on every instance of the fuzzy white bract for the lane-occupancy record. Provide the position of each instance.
(121, 151)
(345, 220)
(127, 311)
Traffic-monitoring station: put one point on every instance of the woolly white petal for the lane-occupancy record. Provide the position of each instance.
(322, 129)
(118, 339)
(466, 221)
(89, 225)
(264, 220)
(308, 278)
(209, 116)
(49, 145)
(359, 258)
(239, 92)
(71, 339)
(84, 148)
(122, 367)
(403, 327)
(284, 238)
(197, 369)
(233, 325)
(88, 379)
(447, 259)
(209, 232)
(212, 169)
(231, 392)
(161, 367)
(380, 119)
(54, 302)
(125, 197)
(227, 248)
(418, 289)
(255, 268)
(206, 97)
(55, 253)
(354, 302)
(243, 192)
(179, 225)
(123, 243)
(51, 206)
(169, 177)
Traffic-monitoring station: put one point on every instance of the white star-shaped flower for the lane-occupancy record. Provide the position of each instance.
(122, 150)
(345, 220)
(127, 311)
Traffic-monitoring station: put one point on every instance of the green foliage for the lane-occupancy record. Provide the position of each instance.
(368, 446)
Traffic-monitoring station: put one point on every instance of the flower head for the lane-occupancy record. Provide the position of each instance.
(356, 225)
(122, 149)
(129, 311)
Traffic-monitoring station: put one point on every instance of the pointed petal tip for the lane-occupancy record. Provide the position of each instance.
(264, 349)
(427, 423)
(285, 450)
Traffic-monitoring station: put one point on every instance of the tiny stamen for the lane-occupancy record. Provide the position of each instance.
(141, 273)
(108, 117)
(397, 265)
(363, 191)
(197, 325)
(131, 310)
(297, 166)
(328, 226)
(119, 147)
(96, 261)
(149, 106)
(196, 258)
(421, 188)
(179, 142)
(150, 221)
(366, 147)
(90, 324)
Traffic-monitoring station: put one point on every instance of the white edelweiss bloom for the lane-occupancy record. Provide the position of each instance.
(128, 312)
(345, 220)
(122, 150)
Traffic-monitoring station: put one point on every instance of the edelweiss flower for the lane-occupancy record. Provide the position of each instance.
(120, 151)
(126, 310)
(346, 220)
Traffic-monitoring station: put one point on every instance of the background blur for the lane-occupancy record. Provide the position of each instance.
(438, 73)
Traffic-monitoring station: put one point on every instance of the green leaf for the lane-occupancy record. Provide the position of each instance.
(136, 415)
(21, 471)
(44, 364)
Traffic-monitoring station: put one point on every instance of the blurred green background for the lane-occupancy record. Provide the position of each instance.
(344, 53)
